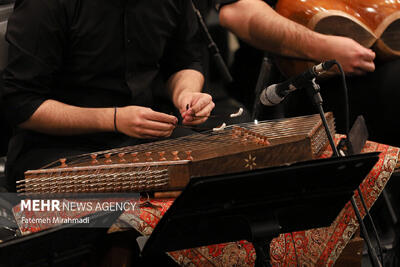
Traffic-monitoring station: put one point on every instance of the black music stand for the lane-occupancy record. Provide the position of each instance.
(259, 205)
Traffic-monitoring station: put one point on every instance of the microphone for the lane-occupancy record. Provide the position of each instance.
(275, 93)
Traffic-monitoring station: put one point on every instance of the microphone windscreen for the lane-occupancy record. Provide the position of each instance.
(269, 96)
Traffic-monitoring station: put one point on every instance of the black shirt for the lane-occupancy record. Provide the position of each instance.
(95, 53)
(219, 3)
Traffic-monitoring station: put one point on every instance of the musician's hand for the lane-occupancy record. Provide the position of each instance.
(142, 122)
(199, 106)
(354, 58)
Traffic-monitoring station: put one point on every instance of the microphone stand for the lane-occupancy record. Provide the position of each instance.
(313, 90)
(213, 48)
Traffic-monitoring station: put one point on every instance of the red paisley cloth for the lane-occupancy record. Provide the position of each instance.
(315, 247)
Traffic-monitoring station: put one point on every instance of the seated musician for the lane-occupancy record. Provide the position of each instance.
(85, 76)
(373, 92)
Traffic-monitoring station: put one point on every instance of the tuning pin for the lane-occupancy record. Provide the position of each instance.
(121, 157)
(134, 157)
(148, 156)
(175, 154)
(265, 141)
(259, 141)
(235, 133)
(108, 158)
(236, 129)
(162, 157)
(94, 159)
(255, 139)
(245, 136)
(189, 155)
(63, 162)
(242, 131)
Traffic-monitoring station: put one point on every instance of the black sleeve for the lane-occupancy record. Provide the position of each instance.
(184, 51)
(219, 3)
(35, 34)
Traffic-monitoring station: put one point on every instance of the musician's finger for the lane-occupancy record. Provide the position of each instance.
(150, 133)
(185, 111)
(201, 117)
(369, 55)
(192, 120)
(189, 112)
(190, 115)
(367, 66)
(158, 126)
(201, 103)
(206, 111)
(160, 117)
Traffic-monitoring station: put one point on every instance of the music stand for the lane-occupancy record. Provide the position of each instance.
(258, 205)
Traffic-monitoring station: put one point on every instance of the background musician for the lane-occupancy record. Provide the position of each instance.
(88, 75)
(255, 22)
(373, 85)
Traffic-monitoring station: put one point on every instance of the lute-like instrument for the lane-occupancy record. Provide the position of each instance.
(372, 23)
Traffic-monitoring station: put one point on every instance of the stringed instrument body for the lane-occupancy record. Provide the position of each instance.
(374, 24)
(168, 165)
